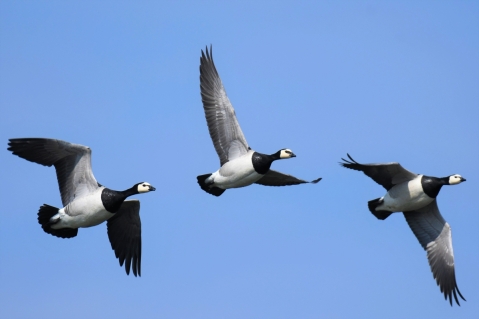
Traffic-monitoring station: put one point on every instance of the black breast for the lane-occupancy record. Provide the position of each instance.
(431, 185)
(261, 162)
(112, 200)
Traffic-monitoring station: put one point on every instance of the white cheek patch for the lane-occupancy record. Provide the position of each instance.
(283, 153)
(454, 179)
(143, 188)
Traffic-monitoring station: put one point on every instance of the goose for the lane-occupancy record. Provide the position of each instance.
(86, 202)
(415, 196)
(240, 165)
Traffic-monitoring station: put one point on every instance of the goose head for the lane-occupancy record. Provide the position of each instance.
(455, 179)
(144, 187)
(285, 153)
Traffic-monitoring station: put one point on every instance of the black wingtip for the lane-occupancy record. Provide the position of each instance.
(31, 149)
(131, 263)
(137, 265)
(351, 163)
(454, 292)
(455, 297)
(316, 180)
(457, 289)
(448, 296)
(349, 156)
(9, 144)
(207, 54)
(450, 292)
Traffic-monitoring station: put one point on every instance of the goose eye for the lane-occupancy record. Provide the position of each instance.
(143, 185)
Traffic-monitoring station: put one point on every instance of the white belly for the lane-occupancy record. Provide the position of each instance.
(406, 196)
(86, 211)
(236, 173)
(236, 180)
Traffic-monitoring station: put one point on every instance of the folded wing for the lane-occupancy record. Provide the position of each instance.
(124, 232)
(223, 126)
(434, 235)
(72, 163)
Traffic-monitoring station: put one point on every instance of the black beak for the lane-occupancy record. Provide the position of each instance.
(292, 154)
(463, 179)
(152, 188)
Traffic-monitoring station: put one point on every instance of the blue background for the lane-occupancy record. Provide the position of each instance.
(382, 80)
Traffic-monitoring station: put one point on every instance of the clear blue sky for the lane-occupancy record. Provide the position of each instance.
(382, 80)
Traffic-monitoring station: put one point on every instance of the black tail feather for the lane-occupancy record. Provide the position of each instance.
(44, 214)
(211, 190)
(380, 214)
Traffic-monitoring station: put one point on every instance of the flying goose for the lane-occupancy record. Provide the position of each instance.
(86, 202)
(415, 196)
(240, 165)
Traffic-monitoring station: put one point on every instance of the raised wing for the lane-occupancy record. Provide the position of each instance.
(386, 174)
(223, 126)
(124, 232)
(274, 178)
(434, 235)
(72, 163)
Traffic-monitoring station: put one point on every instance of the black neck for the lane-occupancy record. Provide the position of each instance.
(130, 191)
(432, 185)
(112, 200)
(262, 162)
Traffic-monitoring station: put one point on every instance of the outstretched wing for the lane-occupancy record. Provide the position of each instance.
(275, 178)
(223, 126)
(385, 174)
(434, 235)
(124, 232)
(72, 163)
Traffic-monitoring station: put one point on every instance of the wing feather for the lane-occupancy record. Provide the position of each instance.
(223, 126)
(385, 174)
(72, 163)
(275, 178)
(124, 232)
(434, 235)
